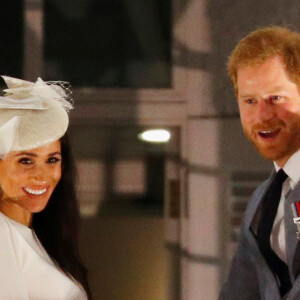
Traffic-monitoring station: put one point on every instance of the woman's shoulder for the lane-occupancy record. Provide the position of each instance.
(11, 241)
(16, 235)
(4, 222)
(9, 230)
(8, 240)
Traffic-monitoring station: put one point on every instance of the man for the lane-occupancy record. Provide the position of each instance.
(265, 70)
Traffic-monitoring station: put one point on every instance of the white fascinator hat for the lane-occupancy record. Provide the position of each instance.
(32, 114)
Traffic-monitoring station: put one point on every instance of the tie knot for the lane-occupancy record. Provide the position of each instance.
(280, 177)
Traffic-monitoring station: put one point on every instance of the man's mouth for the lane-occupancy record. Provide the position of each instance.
(267, 134)
(35, 191)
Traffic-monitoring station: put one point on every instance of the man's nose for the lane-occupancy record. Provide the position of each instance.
(266, 110)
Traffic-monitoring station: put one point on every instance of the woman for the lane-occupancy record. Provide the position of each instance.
(38, 209)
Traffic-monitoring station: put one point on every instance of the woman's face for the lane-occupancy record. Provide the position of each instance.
(28, 178)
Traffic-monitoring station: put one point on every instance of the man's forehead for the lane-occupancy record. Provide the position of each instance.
(270, 68)
(269, 90)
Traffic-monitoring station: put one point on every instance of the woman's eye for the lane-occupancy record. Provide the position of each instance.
(53, 160)
(25, 161)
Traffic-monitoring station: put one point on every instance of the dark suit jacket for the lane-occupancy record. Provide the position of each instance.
(250, 277)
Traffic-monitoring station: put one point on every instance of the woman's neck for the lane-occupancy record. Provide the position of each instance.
(16, 213)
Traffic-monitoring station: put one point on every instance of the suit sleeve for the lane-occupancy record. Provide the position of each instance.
(242, 282)
(11, 282)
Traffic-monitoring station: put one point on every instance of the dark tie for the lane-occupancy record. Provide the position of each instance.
(268, 214)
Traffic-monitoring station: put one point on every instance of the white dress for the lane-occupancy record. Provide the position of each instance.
(26, 270)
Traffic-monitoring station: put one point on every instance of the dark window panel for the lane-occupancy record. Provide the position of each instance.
(109, 43)
(11, 36)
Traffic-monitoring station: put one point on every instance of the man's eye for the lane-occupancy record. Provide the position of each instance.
(275, 98)
(25, 161)
(53, 160)
(249, 101)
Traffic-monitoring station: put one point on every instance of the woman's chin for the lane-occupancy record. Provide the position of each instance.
(34, 204)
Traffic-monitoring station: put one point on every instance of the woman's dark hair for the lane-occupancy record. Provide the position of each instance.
(57, 225)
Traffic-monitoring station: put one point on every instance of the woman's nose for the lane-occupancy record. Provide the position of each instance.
(39, 175)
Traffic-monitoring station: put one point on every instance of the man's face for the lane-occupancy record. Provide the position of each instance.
(269, 104)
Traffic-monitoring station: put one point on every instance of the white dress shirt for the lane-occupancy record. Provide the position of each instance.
(277, 238)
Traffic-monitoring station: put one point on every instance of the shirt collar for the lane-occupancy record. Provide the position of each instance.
(292, 167)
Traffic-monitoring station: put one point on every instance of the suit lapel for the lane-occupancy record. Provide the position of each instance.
(296, 261)
(292, 244)
(266, 277)
(251, 217)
